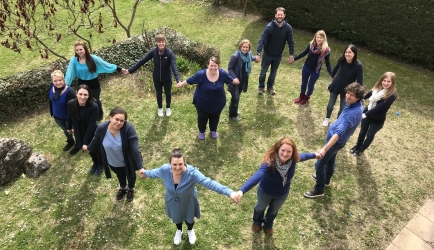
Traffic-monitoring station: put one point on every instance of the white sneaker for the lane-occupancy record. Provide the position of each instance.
(191, 236)
(326, 122)
(168, 112)
(177, 238)
(160, 112)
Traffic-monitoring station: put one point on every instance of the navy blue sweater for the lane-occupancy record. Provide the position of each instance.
(344, 74)
(312, 59)
(273, 39)
(378, 113)
(162, 65)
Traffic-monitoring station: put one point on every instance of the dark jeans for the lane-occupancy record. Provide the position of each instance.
(266, 61)
(332, 101)
(308, 79)
(204, 117)
(235, 100)
(272, 202)
(122, 177)
(325, 167)
(63, 124)
(95, 90)
(368, 129)
(96, 158)
(158, 85)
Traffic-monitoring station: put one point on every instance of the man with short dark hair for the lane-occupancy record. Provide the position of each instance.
(337, 136)
(272, 40)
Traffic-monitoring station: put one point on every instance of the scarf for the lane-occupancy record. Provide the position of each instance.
(160, 53)
(375, 97)
(318, 50)
(247, 60)
(283, 169)
(57, 92)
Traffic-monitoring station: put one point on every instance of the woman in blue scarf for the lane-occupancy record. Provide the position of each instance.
(240, 66)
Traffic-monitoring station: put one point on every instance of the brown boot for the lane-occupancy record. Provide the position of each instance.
(300, 98)
(305, 100)
(269, 231)
(256, 228)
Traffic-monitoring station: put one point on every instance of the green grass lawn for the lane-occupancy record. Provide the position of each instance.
(370, 199)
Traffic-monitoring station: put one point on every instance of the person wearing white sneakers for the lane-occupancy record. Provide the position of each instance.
(181, 196)
(164, 61)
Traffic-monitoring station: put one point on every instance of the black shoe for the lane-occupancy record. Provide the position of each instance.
(353, 149)
(313, 193)
(74, 151)
(92, 169)
(121, 193)
(69, 145)
(327, 183)
(99, 170)
(130, 195)
(358, 152)
(235, 118)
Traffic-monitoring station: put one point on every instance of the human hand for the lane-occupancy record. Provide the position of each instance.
(322, 152)
(125, 72)
(142, 173)
(236, 196)
(363, 116)
(179, 85)
(291, 59)
(84, 148)
(318, 155)
(236, 81)
(70, 131)
(257, 59)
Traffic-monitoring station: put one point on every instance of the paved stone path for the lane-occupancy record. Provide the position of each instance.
(418, 234)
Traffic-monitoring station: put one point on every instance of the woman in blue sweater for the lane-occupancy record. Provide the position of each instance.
(347, 70)
(209, 96)
(86, 68)
(317, 52)
(381, 97)
(164, 62)
(274, 177)
(181, 196)
(59, 94)
(239, 67)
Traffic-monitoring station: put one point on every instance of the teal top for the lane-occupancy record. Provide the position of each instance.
(81, 71)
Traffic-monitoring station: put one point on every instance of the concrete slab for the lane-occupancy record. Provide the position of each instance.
(428, 210)
(422, 227)
(407, 240)
(392, 247)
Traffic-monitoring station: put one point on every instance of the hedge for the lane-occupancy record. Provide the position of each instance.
(28, 91)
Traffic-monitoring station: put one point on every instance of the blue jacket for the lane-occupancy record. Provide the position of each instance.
(271, 182)
(273, 39)
(312, 59)
(235, 70)
(130, 147)
(347, 123)
(59, 107)
(162, 65)
(378, 113)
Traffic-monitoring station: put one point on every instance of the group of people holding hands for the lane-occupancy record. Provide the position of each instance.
(113, 144)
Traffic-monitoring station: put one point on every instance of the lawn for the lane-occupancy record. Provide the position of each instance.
(370, 199)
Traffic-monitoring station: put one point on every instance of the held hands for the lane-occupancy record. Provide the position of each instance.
(257, 59)
(70, 131)
(125, 72)
(180, 84)
(236, 196)
(318, 156)
(236, 81)
(84, 148)
(291, 59)
(142, 173)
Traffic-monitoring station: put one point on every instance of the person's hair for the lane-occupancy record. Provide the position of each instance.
(176, 153)
(270, 155)
(356, 89)
(89, 60)
(215, 60)
(280, 9)
(58, 73)
(243, 42)
(392, 89)
(325, 44)
(119, 111)
(74, 109)
(160, 37)
(353, 48)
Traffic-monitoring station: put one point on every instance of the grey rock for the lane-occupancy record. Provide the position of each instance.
(35, 165)
(13, 154)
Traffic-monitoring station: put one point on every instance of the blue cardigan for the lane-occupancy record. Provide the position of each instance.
(271, 182)
(343, 74)
(347, 123)
(182, 203)
(273, 39)
(59, 107)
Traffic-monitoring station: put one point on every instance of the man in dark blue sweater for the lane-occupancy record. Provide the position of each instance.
(337, 136)
(273, 39)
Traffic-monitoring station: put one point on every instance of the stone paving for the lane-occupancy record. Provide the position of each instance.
(418, 234)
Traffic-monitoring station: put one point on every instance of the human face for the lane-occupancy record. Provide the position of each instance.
(82, 96)
(245, 48)
(161, 44)
(387, 82)
(350, 98)
(319, 40)
(285, 152)
(80, 51)
(213, 67)
(279, 16)
(178, 165)
(58, 81)
(349, 55)
(117, 121)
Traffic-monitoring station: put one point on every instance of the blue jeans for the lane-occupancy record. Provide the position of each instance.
(368, 129)
(332, 101)
(266, 61)
(273, 203)
(308, 79)
(325, 167)
(63, 124)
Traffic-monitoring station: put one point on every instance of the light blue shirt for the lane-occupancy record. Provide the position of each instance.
(113, 149)
(81, 71)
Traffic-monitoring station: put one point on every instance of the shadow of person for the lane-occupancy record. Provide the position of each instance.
(257, 240)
